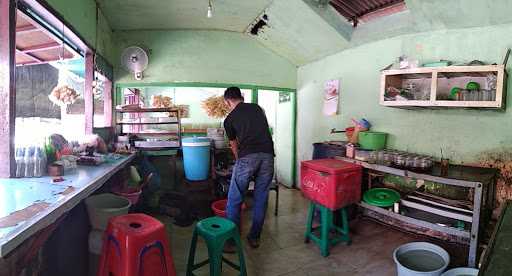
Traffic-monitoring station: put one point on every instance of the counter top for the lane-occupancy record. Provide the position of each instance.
(28, 205)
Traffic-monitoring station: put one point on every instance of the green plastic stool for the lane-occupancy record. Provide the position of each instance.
(216, 231)
(326, 227)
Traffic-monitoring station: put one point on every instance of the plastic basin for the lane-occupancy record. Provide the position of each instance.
(371, 140)
(219, 207)
(132, 194)
(420, 259)
(461, 271)
(104, 206)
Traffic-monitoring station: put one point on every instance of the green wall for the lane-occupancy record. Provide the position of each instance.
(463, 134)
(81, 14)
(206, 56)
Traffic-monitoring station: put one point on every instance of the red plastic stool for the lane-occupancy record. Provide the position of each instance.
(135, 245)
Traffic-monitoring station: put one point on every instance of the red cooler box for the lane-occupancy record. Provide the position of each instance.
(331, 183)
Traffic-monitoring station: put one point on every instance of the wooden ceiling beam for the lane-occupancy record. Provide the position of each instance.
(26, 29)
(48, 33)
(41, 47)
(32, 57)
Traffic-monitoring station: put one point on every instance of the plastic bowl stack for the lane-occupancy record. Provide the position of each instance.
(217, 135)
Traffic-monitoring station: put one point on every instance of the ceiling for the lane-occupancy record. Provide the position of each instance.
(36, 45)
(307, 30)
(229, 15)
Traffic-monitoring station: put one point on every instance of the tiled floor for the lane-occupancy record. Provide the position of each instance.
(283, 251)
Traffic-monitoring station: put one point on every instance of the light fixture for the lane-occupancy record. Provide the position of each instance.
(209, 14)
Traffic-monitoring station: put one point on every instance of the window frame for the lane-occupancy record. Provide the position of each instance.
(70, 36)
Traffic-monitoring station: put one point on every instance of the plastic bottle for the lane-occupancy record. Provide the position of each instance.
(20, 164)
(28, 159)
(38, 160)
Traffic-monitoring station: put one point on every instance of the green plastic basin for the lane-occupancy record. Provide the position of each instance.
(372, 140)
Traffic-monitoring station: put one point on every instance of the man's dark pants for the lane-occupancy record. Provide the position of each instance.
(261, 166)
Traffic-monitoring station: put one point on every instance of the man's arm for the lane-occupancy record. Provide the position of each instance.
(231, 133)
(234, 147)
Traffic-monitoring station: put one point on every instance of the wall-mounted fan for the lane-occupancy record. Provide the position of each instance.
(135, 60)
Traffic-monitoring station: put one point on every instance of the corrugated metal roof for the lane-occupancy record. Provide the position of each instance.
(356, 10)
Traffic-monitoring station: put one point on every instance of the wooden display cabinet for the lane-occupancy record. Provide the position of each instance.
(432, 86)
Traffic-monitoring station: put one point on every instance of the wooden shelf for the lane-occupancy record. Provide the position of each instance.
(148, 109)
(154, 133)
(194, 131)
(436, 82)
(153, 123)
(421, 223)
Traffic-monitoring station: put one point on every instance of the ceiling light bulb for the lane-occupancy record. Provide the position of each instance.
(210, 11)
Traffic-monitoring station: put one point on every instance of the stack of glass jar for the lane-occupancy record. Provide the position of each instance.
(401, 159)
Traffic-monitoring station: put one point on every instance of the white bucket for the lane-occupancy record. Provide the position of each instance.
(420, 259)
(104, 206)
(461, 271)
(210, 132)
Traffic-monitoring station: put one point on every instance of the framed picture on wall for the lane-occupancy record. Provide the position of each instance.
(331, 95)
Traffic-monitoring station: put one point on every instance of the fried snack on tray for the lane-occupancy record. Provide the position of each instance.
(63, 95)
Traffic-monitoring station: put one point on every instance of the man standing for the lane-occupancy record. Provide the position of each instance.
(250, 140)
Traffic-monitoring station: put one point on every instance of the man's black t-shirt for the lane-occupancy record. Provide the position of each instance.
(248, 124)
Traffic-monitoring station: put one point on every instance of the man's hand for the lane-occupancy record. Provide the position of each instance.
(234, 148)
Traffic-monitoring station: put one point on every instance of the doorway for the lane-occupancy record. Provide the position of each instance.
(279, 109)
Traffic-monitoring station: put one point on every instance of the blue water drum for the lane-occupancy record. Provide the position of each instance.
(196, 158)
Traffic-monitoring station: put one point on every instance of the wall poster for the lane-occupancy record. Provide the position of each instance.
(331, 97)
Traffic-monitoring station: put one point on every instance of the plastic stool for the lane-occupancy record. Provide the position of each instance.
(216, 231)
(135, 244)
(326, 225)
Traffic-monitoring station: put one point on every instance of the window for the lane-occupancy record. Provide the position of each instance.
(196, 120)
(102, 93)
(49, 84)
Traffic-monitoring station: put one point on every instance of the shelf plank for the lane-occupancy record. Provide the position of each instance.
(153, 133)
(446, 69)
(407, 103)
(421, 223)
(148, 109)
(437, 211)
(158, 148)
(152, 123)
(441, 103)
(487, 104)
(400, 172)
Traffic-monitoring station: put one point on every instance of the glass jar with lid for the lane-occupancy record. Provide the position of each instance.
(409, 161)
(399, 160)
